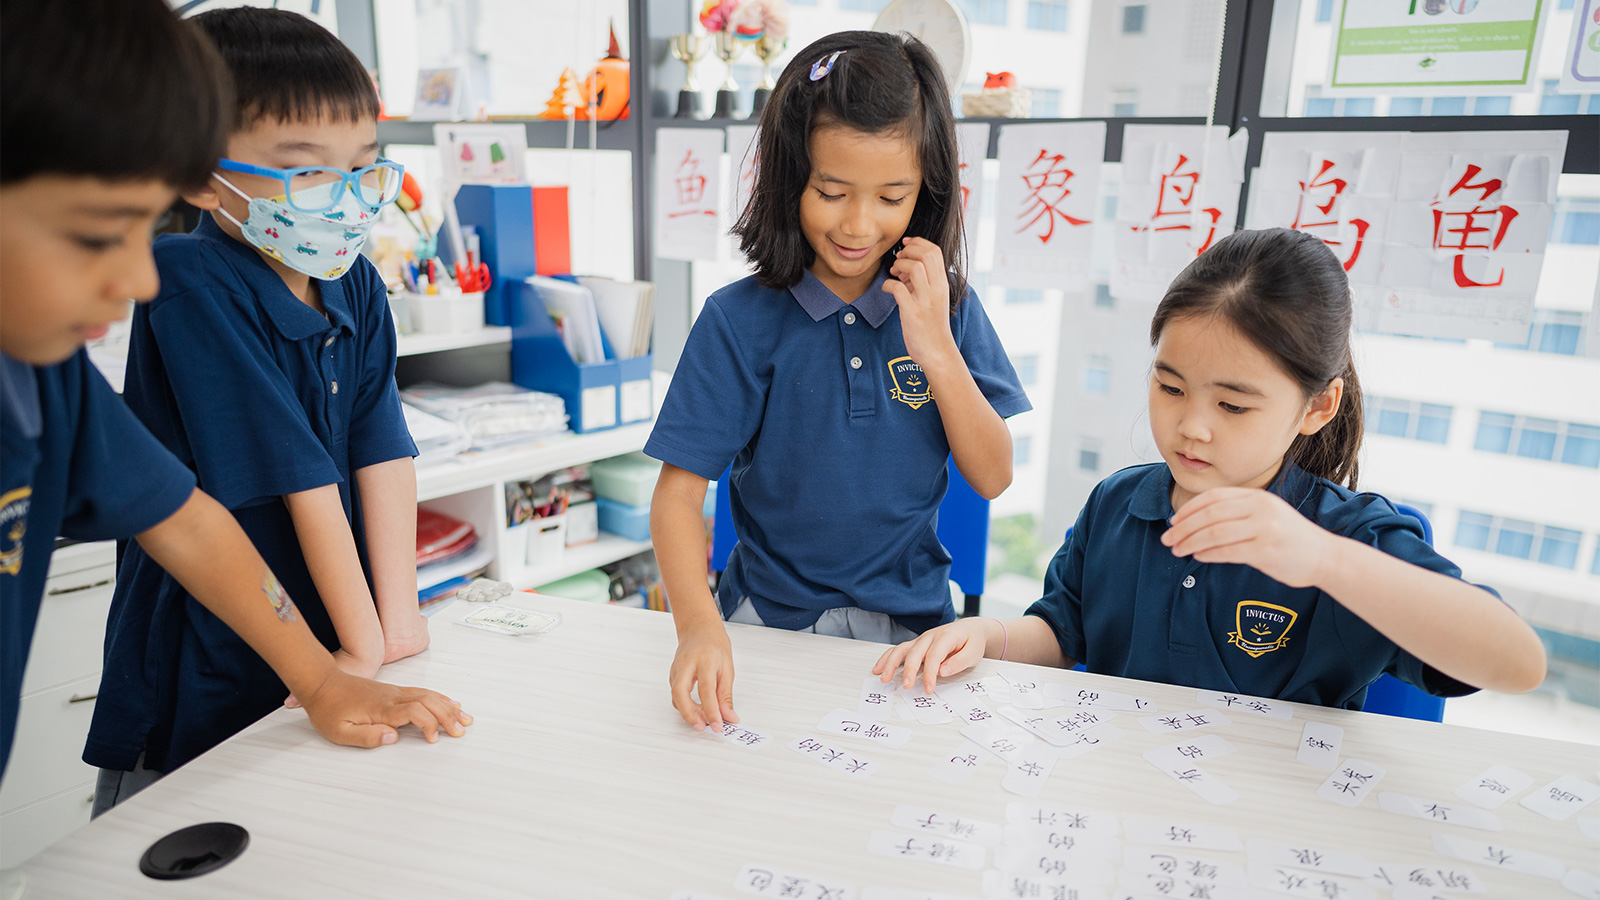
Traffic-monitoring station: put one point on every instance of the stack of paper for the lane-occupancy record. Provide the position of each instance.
(627, 312)
(437, 439)
(573, 308)
(494, 414)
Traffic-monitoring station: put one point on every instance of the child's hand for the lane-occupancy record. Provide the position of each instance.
(923, 294)
(704, 662)
(1250, 527)
(938, 652)
(358, 712)
(348, 663)
(405, 637)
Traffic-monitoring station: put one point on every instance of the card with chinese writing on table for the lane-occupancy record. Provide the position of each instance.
(1561, 798)
(1426, 876)
(1028, 771)
(848, 724)
(1181, 834)
(1433, 811)
(769, 881)
(1194, 869)
(1302, 856)
(1499, 856)
(1319, 745)
(1078, 821)
(1260, 706)
(1187, 721)
(1059, 839)
(877, 699)
(688, 217)
(957, 766)
(1046, 204)
(741, 735)
(1351, 781)
(1283, 880)
(929, 848)
(928, 708)
(834, 758)
(964, 828)
(1070, 868)
(1494, 787)
(1076, 696)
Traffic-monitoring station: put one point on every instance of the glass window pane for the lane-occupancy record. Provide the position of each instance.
(1319, 106)
(1358, 106)
(1472, 530)
(1559, 547)
(1133, 19)
(1024, 295)
(1537, 439)
(1582, 446)
(1563, 339)
(1514, 539)
(1097, 376)
(1393, 421)
(1448, 106)
(1491, 106)
(1046, 103)
(1594, 567)
(1433, 424)
(1494, 432)
(1022, 449)
(1324, 10)
(1027, 367)
(1578, 227)
(1089, 460)
(1103, 298)
(1554, 103)
(1405, 106)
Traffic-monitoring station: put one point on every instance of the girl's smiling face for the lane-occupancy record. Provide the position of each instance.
(862, 192)
(1222, 412)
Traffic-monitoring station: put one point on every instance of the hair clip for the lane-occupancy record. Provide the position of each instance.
(823, 66)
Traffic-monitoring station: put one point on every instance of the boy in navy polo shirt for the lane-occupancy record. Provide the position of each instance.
(838, 379)
(92, 159)
(266, 365)
(1243, 563)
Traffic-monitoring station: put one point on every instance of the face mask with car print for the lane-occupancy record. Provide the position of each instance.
(322, 245)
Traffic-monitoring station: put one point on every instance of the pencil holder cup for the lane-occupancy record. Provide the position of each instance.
(448, 312)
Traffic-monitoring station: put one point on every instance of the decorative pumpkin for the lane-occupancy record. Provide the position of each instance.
(999, 80)
(607, 86)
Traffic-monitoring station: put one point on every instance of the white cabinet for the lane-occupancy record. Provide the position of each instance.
(48, 789)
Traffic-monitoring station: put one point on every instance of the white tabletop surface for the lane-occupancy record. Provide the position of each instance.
(579, 780)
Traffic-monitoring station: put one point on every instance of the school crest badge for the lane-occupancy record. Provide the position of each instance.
(910, 384)
(1261, 627)
(14, 506)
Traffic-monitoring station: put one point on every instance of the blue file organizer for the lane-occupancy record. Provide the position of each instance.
(598, 395)
(503, 217)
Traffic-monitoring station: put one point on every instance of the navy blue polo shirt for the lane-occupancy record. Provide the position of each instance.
(838, 450)
(73, 462)
(1122, 604)
(261, 396)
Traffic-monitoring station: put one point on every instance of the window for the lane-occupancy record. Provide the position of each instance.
(1097, 376)
(1318, 105)
(1021, 449)
(1324, 10)
(1494, 432)
(1024, 295)
(1555, 103)
(1405, 106)
(1046, 103)
(1538, 438)
(1566, 442)
(1429, 422)
(1515, 538)
(1582, 447)
(1564, 4)
(1047, 15)
(1448, 106)
(1102, 292)
(1576, 221)
(1553, 331)
(1125, 102)
(1133, 19)
(1357, 106)
(1089, 456)
(985, 12)
(1491, 106)
(1594, 567)
(1027, 368)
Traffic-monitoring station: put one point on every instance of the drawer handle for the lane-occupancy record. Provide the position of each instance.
(75, 698)
(56, 592)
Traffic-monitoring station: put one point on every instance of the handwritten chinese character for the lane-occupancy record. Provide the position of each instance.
(1330, 187)
(1047, 186)
(691, 189)
(1176, 834)
(1459, 228)
(1172, 204)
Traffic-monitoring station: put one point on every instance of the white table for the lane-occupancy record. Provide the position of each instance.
(579, 780)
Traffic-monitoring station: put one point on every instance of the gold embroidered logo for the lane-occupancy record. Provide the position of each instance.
(1262, 627)
(14, 506)
(910, 384)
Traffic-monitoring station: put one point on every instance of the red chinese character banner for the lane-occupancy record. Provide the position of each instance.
(972, 140)
(1467, 234)
(688, 181)
(1046, 204)
(1179, 195)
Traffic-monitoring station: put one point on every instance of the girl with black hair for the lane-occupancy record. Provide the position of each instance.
(1246, 562)
(836, 380)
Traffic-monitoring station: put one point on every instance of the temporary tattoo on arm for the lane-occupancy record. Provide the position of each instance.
(278, 597)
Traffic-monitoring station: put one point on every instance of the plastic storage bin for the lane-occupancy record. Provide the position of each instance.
(447, 312)
(583, 523)
(629, 480)
(547, 541)
(631, 522)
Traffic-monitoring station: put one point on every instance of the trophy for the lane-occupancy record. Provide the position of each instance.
(688, 49)
(728, 49)
(766, 50)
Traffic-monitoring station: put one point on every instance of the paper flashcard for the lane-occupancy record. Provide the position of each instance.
(1319, 745)
(1026, 691)
(1060, 730)
(996, 688)
(927, 848)
(966, 697)
(1153, 870)
(1046, 204)
(1351, 782)
(1179, 195)
(1449, 813)
(1080, 870)
(742, 735)
(972, 145)
(688, 182)
(1000, 883)
(1272, 709)
(1073, 821)
(1584, 884)
(1452, 879)
(1311, 885)
(1499, 856)
(1580, 67)
(1206, 746)
(1209, 787)
(957, 767)
(849, 724)
(928, 708)
(812, 747)
(1002, 740)
(1300, 856)
(962, 828)
(1188, 721)
(1179, 834)
(1466, 236)
(1561, 798)
(1495, 786)
(877, 699)
(1029, 769)
(1061, 840)
(1589, 827)
(1075, 696)
(742, 157)
(768, 881)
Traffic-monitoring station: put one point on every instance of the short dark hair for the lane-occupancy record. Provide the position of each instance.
(288, 68)
(110, 89)
(880, 83)
(1288, 294)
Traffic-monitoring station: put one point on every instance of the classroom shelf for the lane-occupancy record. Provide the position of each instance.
(414, 344)
(608, 549)
(438, 573)
(476, 470)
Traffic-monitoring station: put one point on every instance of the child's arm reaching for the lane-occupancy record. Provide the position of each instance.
(330, 552)
(203, 547)
(1455, 627)
(704, 656)
(979, 440)
(957, 647)
(389, 517)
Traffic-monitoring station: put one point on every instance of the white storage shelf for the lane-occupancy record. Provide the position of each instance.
(414, 344)
(495, 467)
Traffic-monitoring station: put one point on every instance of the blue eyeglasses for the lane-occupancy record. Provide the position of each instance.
(318, 189)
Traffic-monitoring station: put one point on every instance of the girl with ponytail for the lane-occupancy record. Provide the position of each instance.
(1245, 561)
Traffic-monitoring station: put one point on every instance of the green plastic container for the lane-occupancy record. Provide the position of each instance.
(629, 480)
(593, 586)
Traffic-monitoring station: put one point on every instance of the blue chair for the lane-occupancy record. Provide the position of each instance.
(963, 528)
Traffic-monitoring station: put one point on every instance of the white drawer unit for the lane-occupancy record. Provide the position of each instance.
(44, 796)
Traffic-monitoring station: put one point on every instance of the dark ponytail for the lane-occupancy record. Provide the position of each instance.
(1288, 294)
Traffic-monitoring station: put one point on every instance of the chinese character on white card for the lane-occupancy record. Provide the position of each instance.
(1047, 203)
(1061, 840)
(1205, 746)
(964, 828)
(927, 848)
(834, 758)
(999, 738)
(1074, 869)
(1351, 781)
(957, 767)
(743, 735)
(1310, 885)
(1561, 798)
(1433, 811)
(1026, 691)
(1582, 883)
(1185, 721)
(849, 724)
(1301, 856)
(1076, 696)
(1079, 821)
(928, 708)
(1319, 745)
(1454, 879)
(1499, 856)
(1209, 787)
(877, 699)
(767, 881)
(688, 179)
(1272, 709)
(1152, 864)
(1180, 834)
(1495, 786)
(1030, 769)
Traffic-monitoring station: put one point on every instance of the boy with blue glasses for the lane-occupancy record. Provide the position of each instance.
(266, 364)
